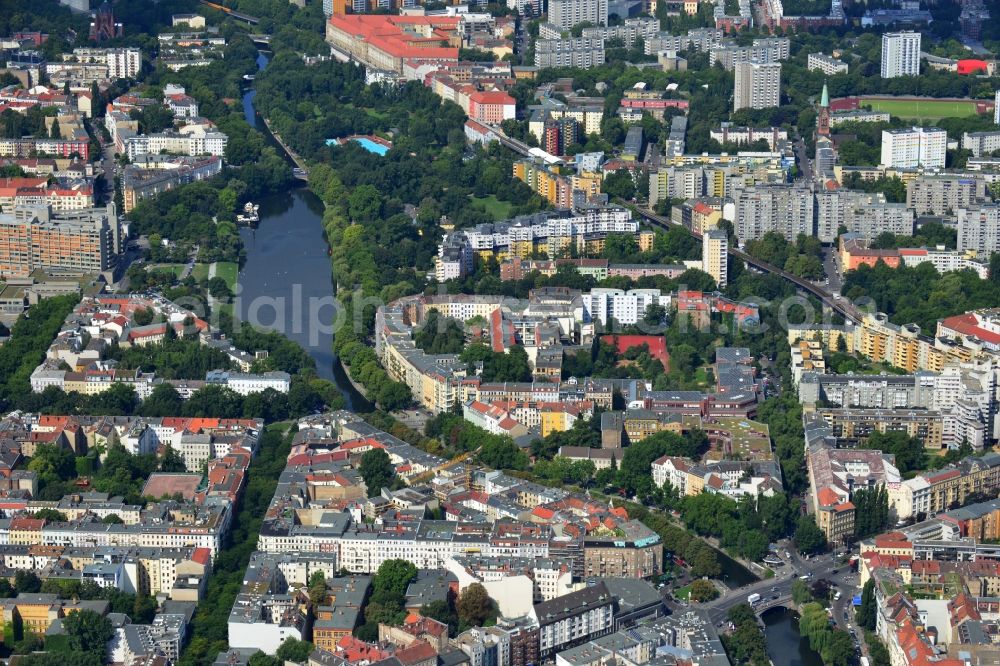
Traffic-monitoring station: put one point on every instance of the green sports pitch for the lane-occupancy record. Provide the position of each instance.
(924, 109)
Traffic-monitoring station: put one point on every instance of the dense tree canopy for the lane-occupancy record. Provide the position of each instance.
(909, 451)
(440, 335)
(377, 471)
(919, 294)
(809, 538)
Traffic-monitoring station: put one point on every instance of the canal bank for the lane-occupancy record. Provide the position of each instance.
(785, 645)
(734, 574)
(286, 283)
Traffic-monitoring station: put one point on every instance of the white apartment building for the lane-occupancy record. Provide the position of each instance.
(191, 143)
(624, 307)
(567, 13)
(672, 470)
(121, 63)
(245, 384)
(996, 109)
(914, 147)
(757, 86)
(900, 54)
(715, 255)
(124, 63)
(945, 261)
(824, 63)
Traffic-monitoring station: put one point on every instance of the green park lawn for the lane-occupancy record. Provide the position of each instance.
(923, 109)
(228, 271)
(200, 272)
(500, 210)
(166, 268)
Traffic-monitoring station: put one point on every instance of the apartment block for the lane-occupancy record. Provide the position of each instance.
(914, 147)
(629, 31)
(900, 54)
(826, 64)
(740, 136)
(981, 144)
(585, 229)
(979, 229)
(698, 39)
(934, 492)
(757, 86)
(160, 173)
(634, 552)
(581, 52)
(686, 182)
(785, 209)
(192, 140)
(715, 255)
(943, 194)
(454, 258)
(87, 241)
(574, 618)
(567, 13)
(962, 397)
(769, 50)
(617, 305)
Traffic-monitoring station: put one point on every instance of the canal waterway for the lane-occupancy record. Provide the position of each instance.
(285, 283)
(734, 574)
(785, 645)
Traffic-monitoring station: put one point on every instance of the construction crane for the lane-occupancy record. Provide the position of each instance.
(460, 458)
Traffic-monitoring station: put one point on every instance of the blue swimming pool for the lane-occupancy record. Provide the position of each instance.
(366, 143)
(371, 146)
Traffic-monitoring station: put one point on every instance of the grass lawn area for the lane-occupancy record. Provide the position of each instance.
(227, 270)
(701, 376)
(683, 593)
(200, 272)
(166, 268)
(500, 210)
(923, 109)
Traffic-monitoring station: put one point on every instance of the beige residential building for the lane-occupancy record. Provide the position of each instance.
(715, 255)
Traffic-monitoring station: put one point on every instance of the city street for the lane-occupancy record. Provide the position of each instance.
(831, 267)
(802, 158)
(818, 567)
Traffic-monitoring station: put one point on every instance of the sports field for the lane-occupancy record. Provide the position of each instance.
(922, 109)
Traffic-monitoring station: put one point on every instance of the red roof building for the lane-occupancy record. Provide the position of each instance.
(383, 41)
(491, 106)
(972, 66)
(981, 325)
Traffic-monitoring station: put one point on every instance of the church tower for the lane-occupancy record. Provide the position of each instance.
(823, 119)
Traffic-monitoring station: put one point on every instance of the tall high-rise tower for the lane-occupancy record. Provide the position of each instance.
(715, 255)
(900, 54)
(757, 85)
